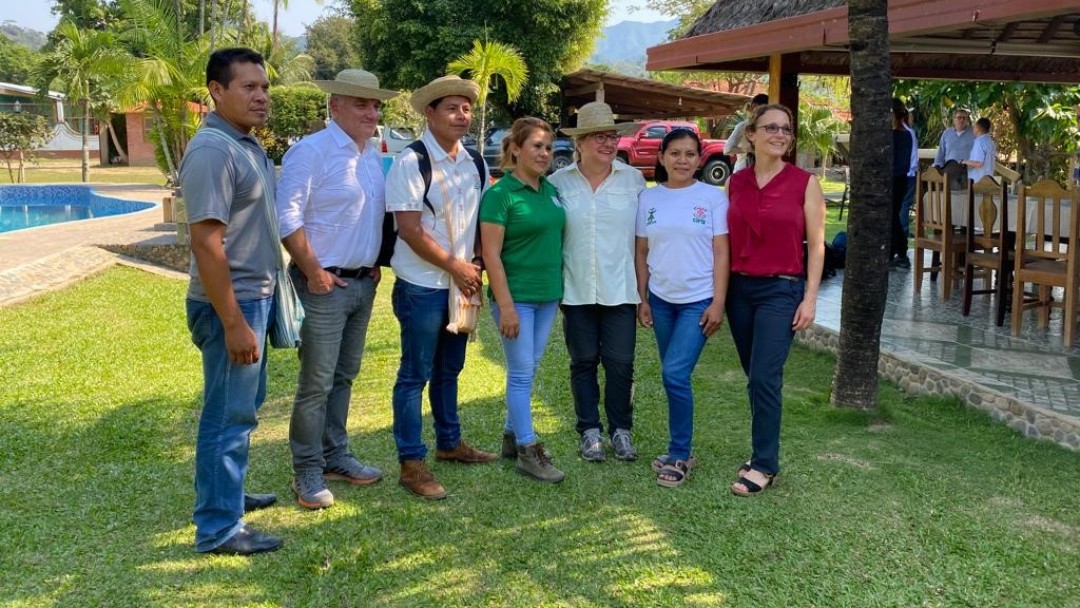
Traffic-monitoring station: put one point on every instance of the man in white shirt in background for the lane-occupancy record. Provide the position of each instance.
(330, 203)
(983, 152)
(435, 245)
(955, 145)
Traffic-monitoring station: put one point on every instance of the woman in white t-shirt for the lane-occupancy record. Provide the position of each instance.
(682, 263)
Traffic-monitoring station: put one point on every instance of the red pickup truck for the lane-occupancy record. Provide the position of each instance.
(640, 150)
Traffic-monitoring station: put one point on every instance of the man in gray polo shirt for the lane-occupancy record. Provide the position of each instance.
(230, 296)
(955, 145)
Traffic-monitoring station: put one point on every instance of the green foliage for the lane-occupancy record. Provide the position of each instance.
(398, 112)
(16, 61)
(20, 135)
(818, 128)
(410, 42)
(330, 44)
(1033, 123)
(23, 36)
(486, 63)
(294, 109)
(86, 14)
(686, 11)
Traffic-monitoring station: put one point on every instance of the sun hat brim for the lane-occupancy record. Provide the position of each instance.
(339, 87)
(457, 87)
(622, 128)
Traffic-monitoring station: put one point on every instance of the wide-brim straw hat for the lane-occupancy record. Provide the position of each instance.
(444, 87)
(356, 83)
(596, 117)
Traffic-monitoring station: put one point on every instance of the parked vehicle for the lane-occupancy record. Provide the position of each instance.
(562, 150)
(641, 149)
(392, 140)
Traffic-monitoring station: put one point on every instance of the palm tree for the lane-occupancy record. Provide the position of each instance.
(81, 59)
(486, 61)
(866, 275)
(818, 129)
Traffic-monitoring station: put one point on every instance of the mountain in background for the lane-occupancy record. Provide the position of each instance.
(25, 36)
(622, 46)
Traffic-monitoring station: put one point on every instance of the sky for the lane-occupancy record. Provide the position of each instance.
(36, 14)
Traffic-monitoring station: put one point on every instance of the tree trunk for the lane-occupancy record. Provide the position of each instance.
(202, 18)
(86, 141)
(274, 34)
(22, 169)
(240, 31)
(866, 275)
(174, 179)
(116, 142)
(480, 137)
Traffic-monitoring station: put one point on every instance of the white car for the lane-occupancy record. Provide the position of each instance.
(392, 140)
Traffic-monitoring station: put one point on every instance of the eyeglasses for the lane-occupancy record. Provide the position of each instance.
(774, 129)
(603, 138)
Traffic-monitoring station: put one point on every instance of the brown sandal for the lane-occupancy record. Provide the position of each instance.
(678, 470)
(751, 488)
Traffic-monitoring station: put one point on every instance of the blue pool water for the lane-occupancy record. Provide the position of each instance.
(31, 206)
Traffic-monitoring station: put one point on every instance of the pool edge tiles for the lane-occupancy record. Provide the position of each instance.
(100, 205)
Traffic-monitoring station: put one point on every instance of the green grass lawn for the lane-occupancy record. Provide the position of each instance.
(67, 170)
(926, 504)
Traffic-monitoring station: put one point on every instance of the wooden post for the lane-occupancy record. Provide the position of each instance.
(167, 210)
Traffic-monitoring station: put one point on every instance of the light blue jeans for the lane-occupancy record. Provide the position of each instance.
(332, 347)
(523, 356)
(680, 339)
(232, 394)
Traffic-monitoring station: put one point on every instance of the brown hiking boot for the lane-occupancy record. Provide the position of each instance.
(463, 452)
(416, 478)
(533, 460)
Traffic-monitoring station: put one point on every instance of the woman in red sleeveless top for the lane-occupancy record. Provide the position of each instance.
(774, 208)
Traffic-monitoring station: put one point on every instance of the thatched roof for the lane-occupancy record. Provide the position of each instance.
(642, 99)
(733, 14)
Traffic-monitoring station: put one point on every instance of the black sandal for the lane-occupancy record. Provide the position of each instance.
(663, 460)
(678, 470)
(752, 488)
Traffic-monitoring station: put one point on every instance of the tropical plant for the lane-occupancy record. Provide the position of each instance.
(818, 128)
(398, 112)
(484, 63)
(20, 135)
(79, 60)
(296, 109)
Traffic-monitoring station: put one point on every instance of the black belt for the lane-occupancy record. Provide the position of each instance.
(786, 277)
(349, 273)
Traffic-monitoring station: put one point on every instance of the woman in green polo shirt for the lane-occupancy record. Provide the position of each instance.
(521, 227)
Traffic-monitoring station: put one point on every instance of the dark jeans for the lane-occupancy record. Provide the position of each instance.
(898, 242)
(760, 311)
(604, 335)
(430, 356)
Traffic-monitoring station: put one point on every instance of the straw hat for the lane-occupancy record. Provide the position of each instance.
(595, 117)
(443, 87)
(356, 83)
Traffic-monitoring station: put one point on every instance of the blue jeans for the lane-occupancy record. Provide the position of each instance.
(523, 356)
(905, 206)
(431, 356)
(601, 335)
(760, 312)
(331, 349)
(232, 394)
(680, 338)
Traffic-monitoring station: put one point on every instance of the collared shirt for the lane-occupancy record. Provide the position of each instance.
(914, 170)
(984, 150)
(455, 179)
(598, 246)
(336, 193)
(218, 185)
(954, 145)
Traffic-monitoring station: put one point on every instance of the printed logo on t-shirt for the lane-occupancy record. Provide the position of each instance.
(699, 215)
(650, 219)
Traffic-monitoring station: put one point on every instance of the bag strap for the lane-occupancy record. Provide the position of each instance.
(268, 204)
(423, 161)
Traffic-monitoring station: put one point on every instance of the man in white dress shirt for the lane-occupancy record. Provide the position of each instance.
(330, 203)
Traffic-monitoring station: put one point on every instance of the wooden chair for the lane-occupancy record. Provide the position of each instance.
(988, 252)
(1045, 256)
(935, 231)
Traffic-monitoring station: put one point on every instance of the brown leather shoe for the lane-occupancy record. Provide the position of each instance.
(417, 478)
(463, 452)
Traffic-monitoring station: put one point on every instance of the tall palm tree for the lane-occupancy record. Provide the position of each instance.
(486, 61)
(866, 274)
(80, 59)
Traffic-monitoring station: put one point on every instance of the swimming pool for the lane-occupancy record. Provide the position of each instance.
(24, 206)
